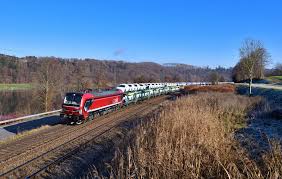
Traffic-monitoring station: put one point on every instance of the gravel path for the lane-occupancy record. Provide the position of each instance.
(267, 86)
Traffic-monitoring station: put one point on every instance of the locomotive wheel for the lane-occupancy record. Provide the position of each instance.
(135, 101)
(91, 117)
(102, 113)
(79, 121)
(95, 115)
(106, 111)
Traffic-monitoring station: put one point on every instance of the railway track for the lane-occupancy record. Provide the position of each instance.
(8, 151)
(85, 134)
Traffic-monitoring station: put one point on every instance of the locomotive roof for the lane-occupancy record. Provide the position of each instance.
(104, 92)
(75, 93)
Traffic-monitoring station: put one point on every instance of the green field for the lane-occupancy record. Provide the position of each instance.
(275, 78)
(15, 86)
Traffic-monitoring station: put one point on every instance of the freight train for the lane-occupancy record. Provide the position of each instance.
(79, 107)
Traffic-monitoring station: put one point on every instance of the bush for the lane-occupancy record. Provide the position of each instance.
(226, 88)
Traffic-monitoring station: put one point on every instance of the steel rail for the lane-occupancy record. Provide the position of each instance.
(69, 131)
(70, 141)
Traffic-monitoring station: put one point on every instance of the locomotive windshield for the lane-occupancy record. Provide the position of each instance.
(73, 99)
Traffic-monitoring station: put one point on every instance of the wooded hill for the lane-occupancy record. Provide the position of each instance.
(82, 73)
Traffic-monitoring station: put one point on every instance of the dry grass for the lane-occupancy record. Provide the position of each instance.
(224, 88)
(23, 134)
(193, 138)
(273, 161)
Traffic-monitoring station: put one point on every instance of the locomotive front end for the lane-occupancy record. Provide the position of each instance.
(71, 108)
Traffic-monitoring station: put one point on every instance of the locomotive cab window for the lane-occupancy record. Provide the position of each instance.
(88, 104)
(72, 99)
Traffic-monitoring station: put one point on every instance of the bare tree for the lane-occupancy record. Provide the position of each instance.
(47, 80)
(253, 58)
(221, 78)
(214, 78)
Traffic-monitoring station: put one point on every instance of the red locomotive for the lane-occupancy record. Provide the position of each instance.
(78, 107)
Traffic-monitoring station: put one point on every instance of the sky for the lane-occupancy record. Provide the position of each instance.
(196, 32)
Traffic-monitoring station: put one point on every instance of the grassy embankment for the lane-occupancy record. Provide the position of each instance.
(15, 86)
(23, 134)
(193, 137)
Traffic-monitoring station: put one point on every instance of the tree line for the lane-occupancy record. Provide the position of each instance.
(276, 71)
(81, 73)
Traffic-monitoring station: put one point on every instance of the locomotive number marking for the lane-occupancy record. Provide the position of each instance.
(115, 100)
